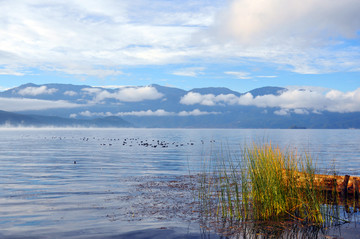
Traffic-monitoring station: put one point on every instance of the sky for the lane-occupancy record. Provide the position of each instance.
(238, 44)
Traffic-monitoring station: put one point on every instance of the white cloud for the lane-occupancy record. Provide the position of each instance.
(299, 101)
(87, 113)
(159, 112)
(94, 38)
(73, 116)
(9, 71)
(282, 112)
(309, 37)
(135, 94)
(250, 21)
(100, 38)
(3, 88)
(92, 90)
(70, 93)
(301, 111)
(33, 91)
(86, 70)
(190, 71)
(125, 94)
(196, 112)
(266, 76)
(192, 98)
(24, 104)
(239, 74)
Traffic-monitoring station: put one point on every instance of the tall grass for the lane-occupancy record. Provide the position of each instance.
(265, 183)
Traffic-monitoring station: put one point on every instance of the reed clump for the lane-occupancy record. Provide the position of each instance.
(263, 184)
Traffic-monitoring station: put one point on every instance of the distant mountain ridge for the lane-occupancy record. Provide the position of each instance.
(19, 120)
(269, 90)
(157, 106)
(215, 91)
(62, 88)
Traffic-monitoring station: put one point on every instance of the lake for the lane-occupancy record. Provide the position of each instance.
(94, 183)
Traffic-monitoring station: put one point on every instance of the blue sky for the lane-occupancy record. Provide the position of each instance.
(239, 44)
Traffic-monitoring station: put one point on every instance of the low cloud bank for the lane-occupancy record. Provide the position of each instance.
(159, 112)
(24, 104)
(34, 91)
(299, 101)
(125, 94)
(70, 93)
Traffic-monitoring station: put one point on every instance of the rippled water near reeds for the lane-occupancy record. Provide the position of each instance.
(97, 183)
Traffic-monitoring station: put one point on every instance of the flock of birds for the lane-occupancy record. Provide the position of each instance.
(130, 142)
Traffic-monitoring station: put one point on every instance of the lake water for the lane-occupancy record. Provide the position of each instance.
(79, 183)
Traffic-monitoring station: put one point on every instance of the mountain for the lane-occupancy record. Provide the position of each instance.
(162, 107)
(20, 120)
(215, 91)
(269, 90)
(46, 91)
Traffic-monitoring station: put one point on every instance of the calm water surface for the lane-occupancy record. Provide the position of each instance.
(44, 194)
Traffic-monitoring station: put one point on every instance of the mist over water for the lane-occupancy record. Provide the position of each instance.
(76, 182)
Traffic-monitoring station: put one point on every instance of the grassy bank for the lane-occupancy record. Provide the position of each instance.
(264, 183)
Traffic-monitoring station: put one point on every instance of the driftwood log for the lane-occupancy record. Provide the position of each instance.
(344, 185)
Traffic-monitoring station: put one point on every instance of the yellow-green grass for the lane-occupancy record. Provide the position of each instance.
(263, 184)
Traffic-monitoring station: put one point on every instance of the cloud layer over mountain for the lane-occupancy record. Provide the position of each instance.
(125, 94)
(33, 91)
(300, 100)
(159, 112)
(25, 104)
(160, 106)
